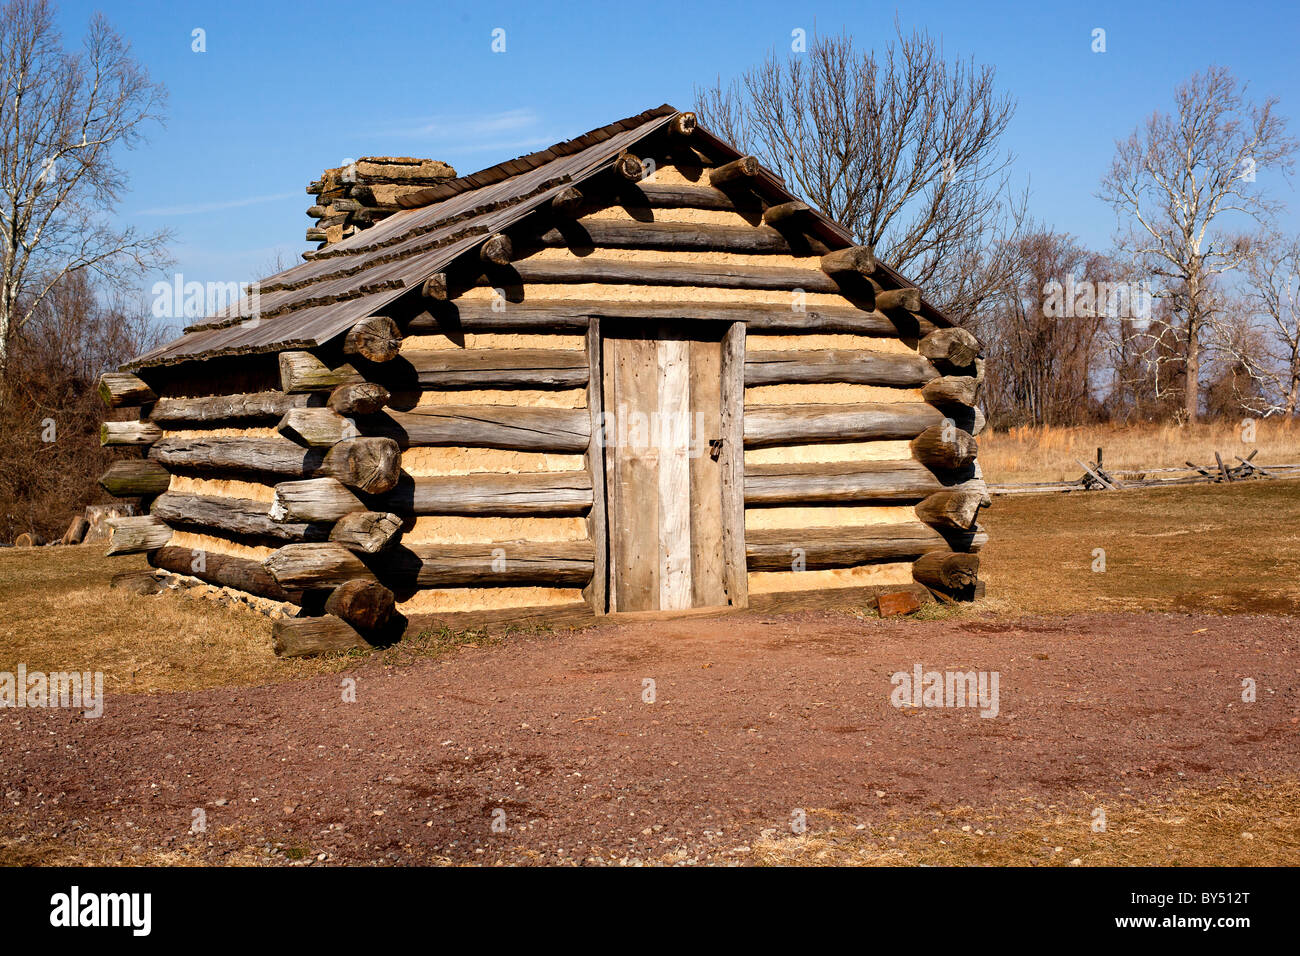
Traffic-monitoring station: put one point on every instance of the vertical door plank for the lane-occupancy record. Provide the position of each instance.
(733, 464)
(613, 466)
(672, 434)
(597, 592)
(636, 537)
(708, 584)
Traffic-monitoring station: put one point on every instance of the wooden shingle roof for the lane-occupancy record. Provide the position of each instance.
(312, 303)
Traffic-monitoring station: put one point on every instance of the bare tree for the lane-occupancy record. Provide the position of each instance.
(1044, 342)
(1272, 293)
(901, 147)
(1178, 182)
(63, 115)
(50, 456)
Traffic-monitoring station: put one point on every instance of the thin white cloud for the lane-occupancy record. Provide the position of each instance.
(212, 206)
(522, 145)
(460, 127)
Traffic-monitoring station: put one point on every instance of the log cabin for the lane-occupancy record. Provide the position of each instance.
(628, 373)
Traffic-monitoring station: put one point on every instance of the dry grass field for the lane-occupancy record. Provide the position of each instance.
(1250, 823)
(57, 612)
(1048, 454)
(1228, 549)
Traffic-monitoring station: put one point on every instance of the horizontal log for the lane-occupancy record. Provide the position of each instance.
(832, 482)
(497, 250)
(742, 170)
(500, 564)
(315, 565)
(372, 464)
(860, 367)
(137, 533)
(951, 390)
(908, 299)
(953, 347)
(308, 636)
(493, 368)
(946, 571)
(682, 125)
(627, 166)
(968, 419)
(363, 398)
(593, 269)
(944, 447)
(436, 288)
(376, 339)
(554, 493)
(815, 549)
(270, 456)
(119, 389)
(567, 201)
(223, 570)
(785, 213)
(366, 605)
(951, 509)
(575, 315)
(238, 516)
(254, 406)
(367, 532)
(316, 427)
(135, 478)
(316, 499)
(304, 372)
(487, 426)
(129, 433)
(798, 424)
(976, 484)
(619, 234)
(453, 319)
(686, 196)
(853, 260)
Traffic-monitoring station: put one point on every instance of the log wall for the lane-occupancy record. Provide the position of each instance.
(445, 461)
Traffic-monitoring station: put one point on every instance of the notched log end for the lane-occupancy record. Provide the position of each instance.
(854, 260)
(683, 125)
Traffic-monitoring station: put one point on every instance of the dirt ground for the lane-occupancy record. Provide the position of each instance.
(754, 722)
(1121, 735)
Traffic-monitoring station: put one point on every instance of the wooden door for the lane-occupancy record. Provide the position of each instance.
(672, 397)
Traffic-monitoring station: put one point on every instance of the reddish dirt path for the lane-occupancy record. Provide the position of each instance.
(754, 717)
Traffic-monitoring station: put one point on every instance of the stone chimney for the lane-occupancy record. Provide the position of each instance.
(360, 194)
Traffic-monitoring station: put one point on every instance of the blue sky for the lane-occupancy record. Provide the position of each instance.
(286, 89)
